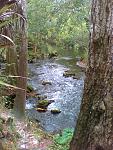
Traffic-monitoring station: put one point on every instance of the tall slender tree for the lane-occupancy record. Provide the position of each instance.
(19, 106)
(94, 129)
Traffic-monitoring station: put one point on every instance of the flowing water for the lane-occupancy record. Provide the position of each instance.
(66, 93)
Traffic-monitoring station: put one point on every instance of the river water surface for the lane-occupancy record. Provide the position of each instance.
(66, 93)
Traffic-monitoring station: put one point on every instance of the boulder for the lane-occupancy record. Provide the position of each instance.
(43, 103)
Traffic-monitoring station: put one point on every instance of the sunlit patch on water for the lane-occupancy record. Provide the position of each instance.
(29, 105)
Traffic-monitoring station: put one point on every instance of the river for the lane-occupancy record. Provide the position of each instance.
(66, 93)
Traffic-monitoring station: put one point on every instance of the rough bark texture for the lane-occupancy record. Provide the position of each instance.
(94, 129)
(19, 106)
(11, 54)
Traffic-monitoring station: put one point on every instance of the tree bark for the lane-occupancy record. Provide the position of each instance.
(19, 106)
(94, 129)
(11, 54)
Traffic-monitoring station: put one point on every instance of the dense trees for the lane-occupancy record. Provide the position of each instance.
(94, 130)
(59, 24)
(64, 24)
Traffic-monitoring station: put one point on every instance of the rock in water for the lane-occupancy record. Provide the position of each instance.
(46, 83)
(43, 103)
(55, 111)
(41, 109)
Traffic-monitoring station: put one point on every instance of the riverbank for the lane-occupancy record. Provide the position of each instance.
(28, 135)
(46, 130)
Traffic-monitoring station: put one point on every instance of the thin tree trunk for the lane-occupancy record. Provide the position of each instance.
(19, 106)
(94, 129)
(11, 55)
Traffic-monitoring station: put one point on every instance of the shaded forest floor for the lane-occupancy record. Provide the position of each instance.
(28, 135)
(15, 134)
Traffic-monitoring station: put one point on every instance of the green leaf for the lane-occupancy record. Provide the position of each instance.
(65, 137)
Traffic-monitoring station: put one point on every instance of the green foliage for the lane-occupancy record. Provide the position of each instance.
(63, 24)
(65, 137)
(61, 141)
(6, 13)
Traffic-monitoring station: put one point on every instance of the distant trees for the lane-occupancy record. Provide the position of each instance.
(94, 129)
(58, 23)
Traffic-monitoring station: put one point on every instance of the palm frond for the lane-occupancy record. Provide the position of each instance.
(8, 38)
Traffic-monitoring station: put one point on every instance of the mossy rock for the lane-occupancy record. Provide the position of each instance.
(29, 88)
(55, 111)
(43, 103)
(46, 83)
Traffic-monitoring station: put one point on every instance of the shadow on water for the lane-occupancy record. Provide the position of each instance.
(66, 92)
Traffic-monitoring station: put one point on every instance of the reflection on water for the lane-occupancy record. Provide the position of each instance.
(66, 92)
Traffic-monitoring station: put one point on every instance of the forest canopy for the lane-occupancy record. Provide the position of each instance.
(62, 24)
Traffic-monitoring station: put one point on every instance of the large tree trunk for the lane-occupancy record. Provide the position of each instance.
(94, 129)
(19, 106)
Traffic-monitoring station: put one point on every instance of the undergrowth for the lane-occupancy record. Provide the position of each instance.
(62, 140)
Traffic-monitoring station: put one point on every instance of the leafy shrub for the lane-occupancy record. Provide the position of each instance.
(62, 140)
